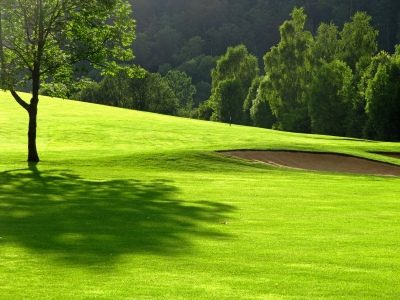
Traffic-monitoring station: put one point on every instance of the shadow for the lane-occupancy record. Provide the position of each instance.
(32, 166)
(88, 222)
(389, 154)
(337, 138)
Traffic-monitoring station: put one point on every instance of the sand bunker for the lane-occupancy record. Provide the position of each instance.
(319, 161)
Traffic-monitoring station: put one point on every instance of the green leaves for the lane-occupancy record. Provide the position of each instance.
(382, 98)
(227, 101)
(330, 98)
(358, 39)
(326, 45)
(181, 85)
(237, 62)
(48, 38)
(288, 74)
(231, 79)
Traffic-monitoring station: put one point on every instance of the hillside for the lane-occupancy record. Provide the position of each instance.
(135, 205)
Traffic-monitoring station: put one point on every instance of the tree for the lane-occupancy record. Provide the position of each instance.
(289, 74)
(231, 80)
(236, 62)
(182, 86)
(199, 68)
(149, 92)
(225, 36)
(260, 111)
(366, 68)
(157, 96)
(358, 39)
(167, 42)
(43, 40)
(326, 46)
(191, 49)
(227, 101)
(384, 17)
(205, 110)
(203, 93)
(383, 100)
(251, 96)
(330, 97)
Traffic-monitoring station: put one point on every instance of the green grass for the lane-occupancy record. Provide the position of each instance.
(133, 205)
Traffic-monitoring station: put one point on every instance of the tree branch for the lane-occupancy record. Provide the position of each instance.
(28, 66)
(19, 99)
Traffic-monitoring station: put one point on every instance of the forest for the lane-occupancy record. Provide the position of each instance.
(313, 66)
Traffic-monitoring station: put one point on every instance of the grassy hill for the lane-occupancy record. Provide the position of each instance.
(134, 205)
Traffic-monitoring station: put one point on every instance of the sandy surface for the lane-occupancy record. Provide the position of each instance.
(320, 161)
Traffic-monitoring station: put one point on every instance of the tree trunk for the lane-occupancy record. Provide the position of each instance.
(32, 111)
(32, 150)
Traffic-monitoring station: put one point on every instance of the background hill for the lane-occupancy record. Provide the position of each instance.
(175, 31)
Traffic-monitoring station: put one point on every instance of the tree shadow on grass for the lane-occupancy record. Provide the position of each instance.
(87, 222)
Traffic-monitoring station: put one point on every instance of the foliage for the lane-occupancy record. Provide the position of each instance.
(203, 92)
(164, 69)
(330, 97)
(168, 41)
(358, 39)
(326, 45)
(359, 126)
(231, 79)
(220, 23)
(191, 49)
(260, 112)
(182, 87)
(307, 86)
(156, 94)
(383, 100)
(61, 36)
(205, 110)
(227, 101)
(291, 65)
(91, 93)
(199, 68)
(288, 74)
(148, 93)
(236, 62)
(44, 40)
(251, 96)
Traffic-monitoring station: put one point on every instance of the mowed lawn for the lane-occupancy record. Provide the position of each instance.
(134, 205)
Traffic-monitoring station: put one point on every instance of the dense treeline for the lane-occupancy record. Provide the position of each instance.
(173, 31)
(187, 35)
(318, 73)
(330, 83)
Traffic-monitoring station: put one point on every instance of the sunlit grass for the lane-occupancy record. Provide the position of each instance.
(134, 205)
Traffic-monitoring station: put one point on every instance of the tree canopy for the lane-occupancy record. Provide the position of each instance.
(231, 79)
(42, 42)
(288, 74)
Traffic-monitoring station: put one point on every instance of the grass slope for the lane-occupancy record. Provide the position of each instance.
(134, 205)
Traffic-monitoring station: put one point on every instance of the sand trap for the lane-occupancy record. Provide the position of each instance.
(319, 162)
